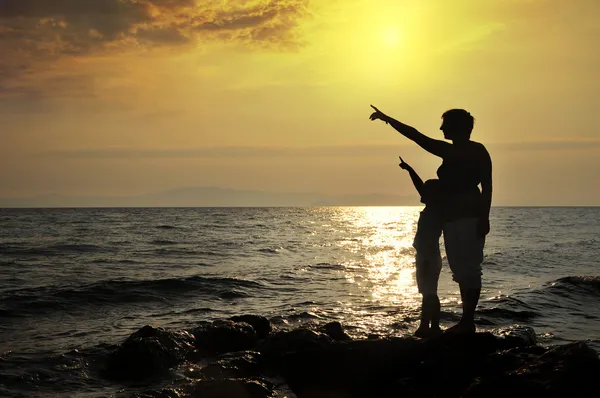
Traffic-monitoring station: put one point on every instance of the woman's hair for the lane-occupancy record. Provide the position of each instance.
(460, 119)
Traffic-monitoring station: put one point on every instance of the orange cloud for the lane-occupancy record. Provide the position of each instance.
(34, 33)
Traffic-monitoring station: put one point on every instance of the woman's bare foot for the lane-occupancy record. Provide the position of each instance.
(422, 332)
(435, 331)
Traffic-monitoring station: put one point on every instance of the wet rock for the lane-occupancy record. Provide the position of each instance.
(261, 325)
(403, 366)
(225, 388)
(234, 365)
(192, 371)
(224, 336)
(509, 360)
(335, 331)
(517, 336)
(280, 343)
(506, 362)
(354, 368)
(164, 393)
(456, 359)
(148, 353)
(558, 372)
(233, 388)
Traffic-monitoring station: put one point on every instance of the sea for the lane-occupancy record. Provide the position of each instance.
(76, 282)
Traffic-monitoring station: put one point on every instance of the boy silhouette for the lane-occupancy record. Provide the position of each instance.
(428, 259)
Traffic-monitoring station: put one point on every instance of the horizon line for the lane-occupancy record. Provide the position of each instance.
(270, 206)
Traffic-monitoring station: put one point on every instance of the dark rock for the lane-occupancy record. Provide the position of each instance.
(559, 372)
(280, 343)
(353, 368)
(398, 366)
(506, 362)
(192, 371)
(456, 359)
(225, 388)
(517, 336)
(224, 336)
(261, 325)
(234, 365)
(164, 393)
(509, 360)
(233, 388)
(148, 353)
(335, 331)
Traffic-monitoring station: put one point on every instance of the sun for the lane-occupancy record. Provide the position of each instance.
(391, 36)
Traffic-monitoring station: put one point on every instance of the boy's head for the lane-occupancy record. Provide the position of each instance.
(430, 191)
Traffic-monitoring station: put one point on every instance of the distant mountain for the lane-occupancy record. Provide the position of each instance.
(212, 197)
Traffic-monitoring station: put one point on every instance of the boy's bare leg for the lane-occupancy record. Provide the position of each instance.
(435, 314)
(430, 314)
(423, 329)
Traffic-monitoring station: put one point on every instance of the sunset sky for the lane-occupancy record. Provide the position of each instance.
(127, 97)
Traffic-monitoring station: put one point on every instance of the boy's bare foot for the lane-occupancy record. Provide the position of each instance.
(422, 332)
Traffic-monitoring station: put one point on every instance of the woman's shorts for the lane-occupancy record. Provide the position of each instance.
(464, 250)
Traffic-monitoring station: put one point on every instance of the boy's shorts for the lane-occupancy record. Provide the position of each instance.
(428, 265)
(464, 250)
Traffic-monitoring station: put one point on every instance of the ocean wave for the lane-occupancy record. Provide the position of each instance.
(577, 284)
(163, 242)
(165, 226)
(113, 261)
(568, 292)
(579, 243)
(327, 266)
(590, 281)
(168, 251)
(269, 250)
(53, 250)
(117, 292)
(505, 313)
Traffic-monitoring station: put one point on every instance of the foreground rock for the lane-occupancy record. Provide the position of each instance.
(260, 324)
(148, 353)
(557, 372)
(225, 388)
(228, 359)
(224, 336)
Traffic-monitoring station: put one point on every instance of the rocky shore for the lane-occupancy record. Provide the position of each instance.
(243, 357)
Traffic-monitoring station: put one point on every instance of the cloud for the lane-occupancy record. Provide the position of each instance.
(80, 25)
(221, 152)
(327, 151)
(37, 33)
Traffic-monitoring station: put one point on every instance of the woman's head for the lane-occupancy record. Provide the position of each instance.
(457, 124)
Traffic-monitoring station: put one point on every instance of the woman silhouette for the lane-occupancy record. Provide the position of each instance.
(465, 165)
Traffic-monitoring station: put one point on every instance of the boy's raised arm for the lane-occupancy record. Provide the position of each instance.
(417, 181)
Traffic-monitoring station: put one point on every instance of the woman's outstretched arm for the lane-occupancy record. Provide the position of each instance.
(437, 147)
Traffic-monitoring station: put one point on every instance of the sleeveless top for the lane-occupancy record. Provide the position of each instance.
(460, 176)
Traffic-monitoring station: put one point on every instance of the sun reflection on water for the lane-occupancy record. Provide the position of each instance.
(384, 236)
